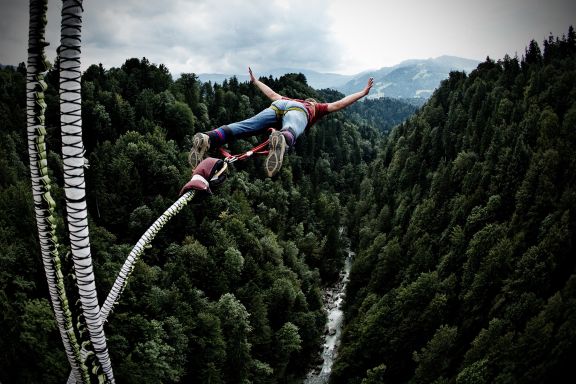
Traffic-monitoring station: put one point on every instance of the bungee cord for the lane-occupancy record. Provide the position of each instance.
(141, 244)
(74, 181)
(93, 353)
(128, 266)
(44, 204)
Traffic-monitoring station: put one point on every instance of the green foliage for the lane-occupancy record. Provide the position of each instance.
(383, 113)
(230, 291)
(288, 341)
(37, 338)
(464, 269)
(461, 218)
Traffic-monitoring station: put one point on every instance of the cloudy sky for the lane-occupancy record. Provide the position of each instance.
(340, 36)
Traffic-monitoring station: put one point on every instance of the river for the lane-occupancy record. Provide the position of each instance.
(332, 299)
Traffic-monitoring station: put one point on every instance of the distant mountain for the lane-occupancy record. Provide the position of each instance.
(410, 78)
(219, 77)
(315, 79)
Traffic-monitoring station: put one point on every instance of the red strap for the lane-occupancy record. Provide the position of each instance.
(257, 150)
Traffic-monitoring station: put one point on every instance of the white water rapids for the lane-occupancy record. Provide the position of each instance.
(332, 299)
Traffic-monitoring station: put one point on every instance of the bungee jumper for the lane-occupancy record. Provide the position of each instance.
(285, 118)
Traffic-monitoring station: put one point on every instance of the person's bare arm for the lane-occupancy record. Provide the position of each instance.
(263, 87)
(350, 99)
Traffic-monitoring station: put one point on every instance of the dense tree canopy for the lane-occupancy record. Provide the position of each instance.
(465, 270)
(230, 289)
(461, 219)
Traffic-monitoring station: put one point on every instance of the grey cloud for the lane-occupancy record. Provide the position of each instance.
(223, 36)
(10, 42)
(14, 31)
(228, 35)
(188, 36)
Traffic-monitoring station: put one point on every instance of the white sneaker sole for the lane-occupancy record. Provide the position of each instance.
(273, 162)
(200, 144)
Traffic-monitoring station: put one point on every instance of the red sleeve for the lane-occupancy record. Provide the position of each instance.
(321, 110)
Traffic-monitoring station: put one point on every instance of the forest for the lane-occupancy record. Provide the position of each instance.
(230, 290)
(459, 212)
(465, 229)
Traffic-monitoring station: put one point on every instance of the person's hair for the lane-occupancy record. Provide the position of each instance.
(311, 100)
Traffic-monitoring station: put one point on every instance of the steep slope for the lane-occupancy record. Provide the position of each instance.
(465, 233)
(411, 78)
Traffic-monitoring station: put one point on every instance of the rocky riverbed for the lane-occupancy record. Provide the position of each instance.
(332, 298)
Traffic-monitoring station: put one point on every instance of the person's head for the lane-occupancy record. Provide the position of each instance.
(311, 100)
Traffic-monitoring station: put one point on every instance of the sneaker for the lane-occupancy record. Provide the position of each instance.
(277, 147)
(200, 145)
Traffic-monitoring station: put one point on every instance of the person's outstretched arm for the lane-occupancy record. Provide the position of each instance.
(263, 87)
(350, 99)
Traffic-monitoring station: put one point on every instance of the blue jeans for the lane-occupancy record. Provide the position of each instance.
(285, 114)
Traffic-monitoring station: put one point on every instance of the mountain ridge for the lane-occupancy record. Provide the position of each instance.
(412, 78)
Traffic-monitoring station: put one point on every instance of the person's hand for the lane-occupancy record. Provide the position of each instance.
(368, 86)
(252, 78)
